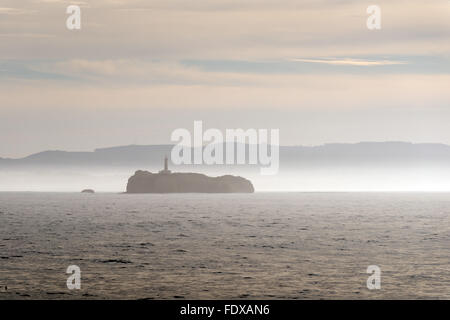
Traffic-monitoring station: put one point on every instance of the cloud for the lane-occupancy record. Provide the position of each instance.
(307, 92)
(352, 62)
(27, 35)
(7, 10)
(224, 29)
(12, 11)
(61, 1)
(132, 72)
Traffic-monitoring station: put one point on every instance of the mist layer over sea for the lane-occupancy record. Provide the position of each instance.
(225, 246)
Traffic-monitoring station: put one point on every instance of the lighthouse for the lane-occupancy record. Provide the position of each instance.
(166, 166)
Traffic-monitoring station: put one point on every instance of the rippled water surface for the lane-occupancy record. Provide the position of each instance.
(197, 246)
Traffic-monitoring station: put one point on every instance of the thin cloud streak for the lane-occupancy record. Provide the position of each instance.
(27, 35)
(12, 11)
(352, 62)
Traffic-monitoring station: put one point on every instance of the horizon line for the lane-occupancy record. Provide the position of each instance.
(281, 146)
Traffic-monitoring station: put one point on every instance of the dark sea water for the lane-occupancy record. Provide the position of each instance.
(216, 246)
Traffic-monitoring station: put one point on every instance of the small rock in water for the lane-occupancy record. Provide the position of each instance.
(88, 191)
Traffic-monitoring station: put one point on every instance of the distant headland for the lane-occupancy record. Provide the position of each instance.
(167, 182)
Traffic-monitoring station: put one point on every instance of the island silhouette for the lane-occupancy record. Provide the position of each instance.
(166, 181)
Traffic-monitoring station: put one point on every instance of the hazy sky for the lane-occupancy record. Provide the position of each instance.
(138, 69)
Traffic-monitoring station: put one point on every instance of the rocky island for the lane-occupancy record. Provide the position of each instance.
(167, 182)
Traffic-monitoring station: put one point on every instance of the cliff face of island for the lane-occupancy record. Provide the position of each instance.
(147, 182)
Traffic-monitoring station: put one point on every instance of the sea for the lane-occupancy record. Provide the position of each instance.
(225, 246)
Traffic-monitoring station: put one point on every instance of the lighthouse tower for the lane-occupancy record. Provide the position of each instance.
(166, 166)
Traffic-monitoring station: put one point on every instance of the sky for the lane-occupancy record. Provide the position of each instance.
(139, 69)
